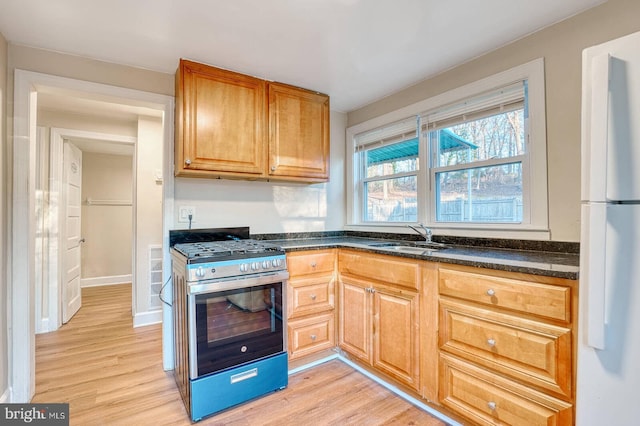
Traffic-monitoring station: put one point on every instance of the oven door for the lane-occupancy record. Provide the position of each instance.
(235, 323)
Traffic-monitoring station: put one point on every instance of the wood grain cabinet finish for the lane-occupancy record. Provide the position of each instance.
(507, 346)
(531, 351)
(489, 399)
(298, 134)
(379, 320)
(311, 302)
(231, 125)
(221, 123)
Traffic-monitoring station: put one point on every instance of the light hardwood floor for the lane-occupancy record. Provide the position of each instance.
(111, 374)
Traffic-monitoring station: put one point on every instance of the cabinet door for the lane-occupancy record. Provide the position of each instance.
(298, 134)
(355, 320)
(395, 338)
(221, 122)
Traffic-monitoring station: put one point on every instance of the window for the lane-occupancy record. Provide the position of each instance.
(389, 172)
(473, 158)
(478, 149)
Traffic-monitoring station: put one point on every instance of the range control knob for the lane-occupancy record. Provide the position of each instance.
(265, 264)
(200, 273)
(244, 267)
(274, 263)
(255, 266)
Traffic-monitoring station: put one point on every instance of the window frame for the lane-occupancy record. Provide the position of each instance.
(534, 167)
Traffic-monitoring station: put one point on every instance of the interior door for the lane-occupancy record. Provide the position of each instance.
(72, 185)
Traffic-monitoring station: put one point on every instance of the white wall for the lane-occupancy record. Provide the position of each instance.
(148, 208)
(106, 229)
(270, 207)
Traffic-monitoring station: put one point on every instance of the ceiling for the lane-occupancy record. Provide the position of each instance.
(357, 51)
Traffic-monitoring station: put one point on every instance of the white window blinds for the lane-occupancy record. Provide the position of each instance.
(504, 99)
(392, 133)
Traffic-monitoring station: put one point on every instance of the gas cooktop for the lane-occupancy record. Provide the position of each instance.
(219, 250)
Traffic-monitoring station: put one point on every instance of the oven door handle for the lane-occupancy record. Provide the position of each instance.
(223, 284)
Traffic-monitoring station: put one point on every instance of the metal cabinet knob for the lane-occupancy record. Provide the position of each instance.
(313, 337)
(491, 292)
(492, 405)
(187, 162)
(313, 297)
(491, 342)
(273, 168)
(314, 264)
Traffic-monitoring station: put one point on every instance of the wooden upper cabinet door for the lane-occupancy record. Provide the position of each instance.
(220, 123)
(298, 134)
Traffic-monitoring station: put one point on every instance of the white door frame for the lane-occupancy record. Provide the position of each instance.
(55, 175)
(22, 238)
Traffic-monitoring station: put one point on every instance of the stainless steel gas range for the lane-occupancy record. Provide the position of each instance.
(229, 318)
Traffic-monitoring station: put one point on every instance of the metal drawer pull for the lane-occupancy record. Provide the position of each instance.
(313, 337)
(492, 405)
(244, 375)
(313, 297)
(491, 342)
(491, 292)
(314, 264)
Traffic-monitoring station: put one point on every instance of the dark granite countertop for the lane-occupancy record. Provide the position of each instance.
(558, 264)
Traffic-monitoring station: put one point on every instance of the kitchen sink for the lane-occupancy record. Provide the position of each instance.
(409, 249)
(416, 248)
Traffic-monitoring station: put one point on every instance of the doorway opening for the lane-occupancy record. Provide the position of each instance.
(28, 88)
(101, 252)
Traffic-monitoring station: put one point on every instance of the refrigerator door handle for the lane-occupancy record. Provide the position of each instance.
(595, 244)
(599, 127)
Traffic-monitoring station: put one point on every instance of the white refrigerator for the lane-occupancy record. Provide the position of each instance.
(608, 340)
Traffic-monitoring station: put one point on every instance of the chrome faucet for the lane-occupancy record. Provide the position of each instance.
(427, 232)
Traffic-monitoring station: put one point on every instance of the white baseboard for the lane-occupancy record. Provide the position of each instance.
(43, 327)
(4, 398)
(401, 393)
(147, 318)
(111, 280)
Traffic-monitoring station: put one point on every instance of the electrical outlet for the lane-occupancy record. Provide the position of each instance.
(184, 212)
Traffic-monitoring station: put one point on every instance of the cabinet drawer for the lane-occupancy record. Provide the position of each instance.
(304, 263)
(543, 300)
(388, 269)
(310, 335)
(488, 399)
(309, 296)
(536, 353)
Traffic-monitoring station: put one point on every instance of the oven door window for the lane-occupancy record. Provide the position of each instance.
(238, 326)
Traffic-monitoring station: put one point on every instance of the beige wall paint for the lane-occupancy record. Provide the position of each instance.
(148, 204)
(4, 343)
(107, 230)
(83, 68)
(561, 46)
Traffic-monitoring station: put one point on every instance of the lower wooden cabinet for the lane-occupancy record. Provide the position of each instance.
(311, 302)
(494, 347)
(489, 399)
(378, 323)
(506, 346)
(310, 335)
